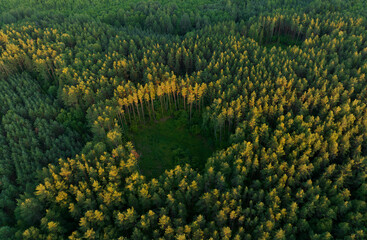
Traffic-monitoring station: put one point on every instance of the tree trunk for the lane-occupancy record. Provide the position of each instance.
(190, 110)
(184, 103)
(174, 98)
(128, 111)
(137, 109)
(133, 110)
(142, 109)
(169, 101)
(152, 107)
(161, 104)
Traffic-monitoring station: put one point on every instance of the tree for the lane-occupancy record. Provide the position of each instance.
(185, 23)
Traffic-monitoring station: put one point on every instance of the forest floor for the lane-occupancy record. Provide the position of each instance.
(165, 143)
(282, 41)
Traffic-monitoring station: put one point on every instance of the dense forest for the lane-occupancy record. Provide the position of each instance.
(196, 119)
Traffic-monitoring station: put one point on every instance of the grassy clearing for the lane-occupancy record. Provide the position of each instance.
(166, 143)
(282, 41)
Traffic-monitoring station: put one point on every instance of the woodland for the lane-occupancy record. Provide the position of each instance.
(195, 119)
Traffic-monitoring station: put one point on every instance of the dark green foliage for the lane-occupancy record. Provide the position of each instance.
(75, 120)
(30, 139)
(7, 233)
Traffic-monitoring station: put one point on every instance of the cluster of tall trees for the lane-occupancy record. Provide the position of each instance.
(171, 95)
(31, 138)
(295, 117)
(159, 16)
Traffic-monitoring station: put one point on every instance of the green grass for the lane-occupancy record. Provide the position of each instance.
(166, 143)
(283, 41)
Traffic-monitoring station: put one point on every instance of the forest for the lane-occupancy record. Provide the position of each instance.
(195, 119)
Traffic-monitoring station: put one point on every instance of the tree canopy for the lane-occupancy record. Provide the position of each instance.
(278, 86)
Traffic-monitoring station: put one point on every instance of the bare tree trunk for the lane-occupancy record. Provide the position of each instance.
(137, 109)
(184, 103)
(190, 110)
(153, 107)
(142, 109)
(133, 111)
(128, 111)
(174, 98)
(161, 104)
